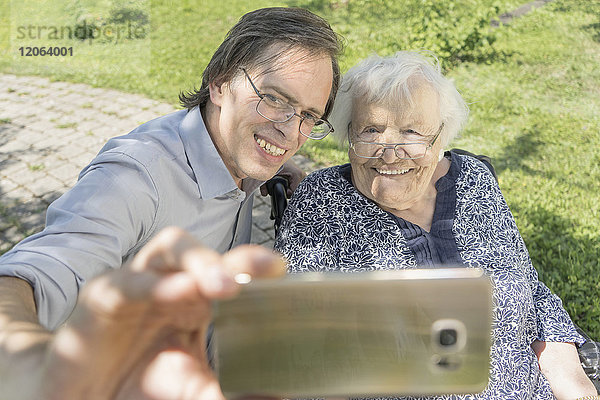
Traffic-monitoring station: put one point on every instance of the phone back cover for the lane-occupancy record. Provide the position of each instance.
(365, 334)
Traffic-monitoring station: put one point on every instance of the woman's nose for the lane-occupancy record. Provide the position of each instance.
(389, 155)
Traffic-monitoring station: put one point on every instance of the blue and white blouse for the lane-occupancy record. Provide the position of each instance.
(329, 226)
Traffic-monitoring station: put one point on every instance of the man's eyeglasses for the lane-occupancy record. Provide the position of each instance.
(276, 110)
(411, 150)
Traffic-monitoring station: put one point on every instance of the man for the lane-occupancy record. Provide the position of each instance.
(138, 332)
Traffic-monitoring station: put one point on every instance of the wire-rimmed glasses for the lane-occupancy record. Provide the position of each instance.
(277, 110)
(404, 151)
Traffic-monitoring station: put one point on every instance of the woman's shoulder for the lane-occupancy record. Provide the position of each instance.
(326, 174)
(469, 166)
(330, 178)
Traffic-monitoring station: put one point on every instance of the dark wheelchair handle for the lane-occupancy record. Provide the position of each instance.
(277, 188)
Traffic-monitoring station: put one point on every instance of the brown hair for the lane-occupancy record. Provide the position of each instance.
(249, 42)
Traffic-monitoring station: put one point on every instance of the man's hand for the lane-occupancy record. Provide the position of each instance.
(140, 332)
(292, 173)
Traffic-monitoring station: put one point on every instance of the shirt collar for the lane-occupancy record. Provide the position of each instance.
(448, 181)
(212, 176)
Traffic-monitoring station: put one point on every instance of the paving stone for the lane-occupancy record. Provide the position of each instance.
(33, 222)
(268, 244)
(6, 202)
(43, 92)
(144, 103)
(4, 246)
(66, 173)
(29, 208)
(111, 108)
(67, 121)
(60, 85)
(63, 126)
(31, 137)
(106, 132)
(261, 216)
(260, 199)
(14, 146)
(83, 159)
(259, 236)
(36, 81)
(162, 108)
(48, 198)
(126, 112)
(50, 115)
(12, 235)
(14, 109)
(19, 120)
(61, 136)
(41, 125)
(89, 142)
(32, 159)
(6, 185)
(49, 142)
(124, 126)
(20, 173)
(89, 114)
(5, 159)
(20, 194)
(72, 150)
(48, 184)
(143, 117)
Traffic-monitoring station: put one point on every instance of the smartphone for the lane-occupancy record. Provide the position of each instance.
(384, 333)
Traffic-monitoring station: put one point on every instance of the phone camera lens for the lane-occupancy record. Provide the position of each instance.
(448, 337)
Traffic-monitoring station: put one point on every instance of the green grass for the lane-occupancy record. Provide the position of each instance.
(36, 167)
(536, 115)
(534, 97)
(184, 34)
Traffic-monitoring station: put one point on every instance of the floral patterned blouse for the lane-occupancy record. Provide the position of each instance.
(329, 226)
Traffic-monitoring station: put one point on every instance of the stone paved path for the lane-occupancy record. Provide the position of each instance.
(50, 130)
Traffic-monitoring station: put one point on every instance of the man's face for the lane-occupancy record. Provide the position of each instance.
(249, 144)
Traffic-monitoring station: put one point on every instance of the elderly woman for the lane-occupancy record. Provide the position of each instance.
(403, 202)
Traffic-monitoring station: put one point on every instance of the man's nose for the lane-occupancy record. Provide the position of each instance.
(290, 128)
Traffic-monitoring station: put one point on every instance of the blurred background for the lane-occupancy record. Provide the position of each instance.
(533, 86)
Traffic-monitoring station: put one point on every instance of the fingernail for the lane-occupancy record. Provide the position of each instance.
(243, 278)
(216, 280)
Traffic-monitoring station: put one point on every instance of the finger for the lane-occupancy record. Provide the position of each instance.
(171, 373)
(254, 260)
(164, 251)
(173, 251)
(203, 277)
(171, 268)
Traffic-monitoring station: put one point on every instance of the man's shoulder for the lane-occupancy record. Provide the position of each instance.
(148, 147)
(154, 139)
(164, 122)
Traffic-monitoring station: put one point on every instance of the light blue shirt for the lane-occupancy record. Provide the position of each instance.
(166, 172)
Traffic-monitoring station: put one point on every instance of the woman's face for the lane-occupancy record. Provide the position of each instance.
(394, 183)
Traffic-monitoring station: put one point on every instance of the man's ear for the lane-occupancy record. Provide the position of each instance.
(216, 90)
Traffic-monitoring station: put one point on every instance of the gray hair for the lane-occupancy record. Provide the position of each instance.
(386, 81)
